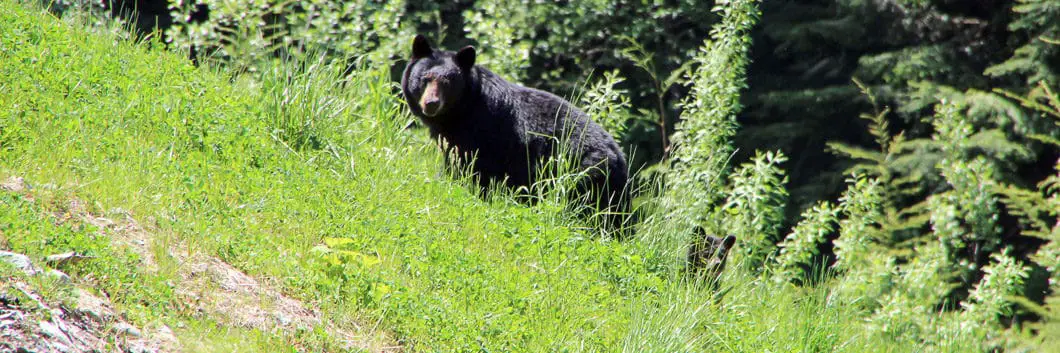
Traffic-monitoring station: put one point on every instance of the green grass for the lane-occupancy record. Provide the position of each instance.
(42, 227)
(309, 179)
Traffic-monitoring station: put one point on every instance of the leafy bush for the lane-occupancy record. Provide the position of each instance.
(697, 168)
(246, 33)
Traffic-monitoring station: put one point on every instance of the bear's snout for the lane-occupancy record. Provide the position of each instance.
(430, 107)
(431, 101)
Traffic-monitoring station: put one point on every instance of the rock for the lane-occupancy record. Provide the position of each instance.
(13, 183)
(53, 331)
(76, 207)
(59, 276)
(8, 300)
(164, 334)
(100, 222)
(282, 319)
(126, 329)
(21, 262)
(92, 307)
(158, 339)
(67, 258)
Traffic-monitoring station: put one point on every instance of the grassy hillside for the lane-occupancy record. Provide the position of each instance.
(307, 181)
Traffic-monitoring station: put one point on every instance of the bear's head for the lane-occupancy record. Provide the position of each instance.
(708, 253)
(435, 81)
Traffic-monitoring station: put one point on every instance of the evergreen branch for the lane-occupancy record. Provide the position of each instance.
(856, 152)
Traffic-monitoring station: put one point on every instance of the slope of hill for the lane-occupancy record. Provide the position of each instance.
(289, 210)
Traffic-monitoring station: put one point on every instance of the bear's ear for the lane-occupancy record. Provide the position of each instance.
(728, 242)
(465, 58)
(420, 47)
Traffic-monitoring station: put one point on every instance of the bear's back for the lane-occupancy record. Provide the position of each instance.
(545, 118)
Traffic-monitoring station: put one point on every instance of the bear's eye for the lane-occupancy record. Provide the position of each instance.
(436, 78)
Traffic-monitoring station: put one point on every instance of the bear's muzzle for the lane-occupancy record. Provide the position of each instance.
(431, 100)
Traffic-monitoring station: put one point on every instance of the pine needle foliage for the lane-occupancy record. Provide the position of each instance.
(1038, 211)
(1041, 19)
(901, 167)
(917, 277)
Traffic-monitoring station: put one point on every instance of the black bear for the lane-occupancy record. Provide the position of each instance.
(506, 132)
(708, 254)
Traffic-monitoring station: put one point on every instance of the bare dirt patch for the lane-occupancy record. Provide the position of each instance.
(13, 184)
(230, 296)
(217, 289)
(28, 323)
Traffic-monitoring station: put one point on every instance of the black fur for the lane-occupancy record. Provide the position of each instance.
(509, 130)
(708, 253)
